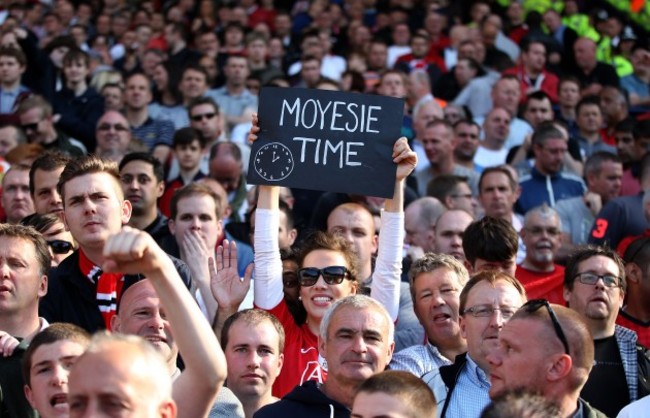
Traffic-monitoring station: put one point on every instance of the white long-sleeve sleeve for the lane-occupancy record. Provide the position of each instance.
(268, 265)
(388, 267)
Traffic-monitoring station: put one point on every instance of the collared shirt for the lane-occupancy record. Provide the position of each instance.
(419, 359)
(232, 105)
(8, 98)
(153, 132)
(469, 396)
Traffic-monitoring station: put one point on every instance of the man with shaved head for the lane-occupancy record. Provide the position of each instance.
(449, 233)
(591, 73)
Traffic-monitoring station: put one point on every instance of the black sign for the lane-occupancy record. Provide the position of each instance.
(326, 140)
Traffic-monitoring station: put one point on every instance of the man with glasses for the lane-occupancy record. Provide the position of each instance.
(546, 181)
(487, 302)
(36, 120)
(594, 286)
(545, 349)
(538, 272)
(113, 136)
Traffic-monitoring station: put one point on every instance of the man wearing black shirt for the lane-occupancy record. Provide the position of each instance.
(594, 286)
(593, 75)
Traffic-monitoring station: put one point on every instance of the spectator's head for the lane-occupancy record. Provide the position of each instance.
(43, 177)
(196, 210)
(465, 70)
(253, 342)
(377, 57)
(394, 393)
(310, 70)
(542, 235)
(354, 223)
(226, 165)
(533, 55)
(48, 359)
(58, 238)
(438, 142)
(13, 64)
(467, 138)
(76, 67)
(204, 114)
(450, 228)
(568, 92)
(236, 71)
(589, 115)
(603, 174)
(487, 302)
(614, 104)
(537, 109)
(436, 281)
(498, 192)
(554, 346)
(393, 84)
(453, 192)
(35, 115)
(594, 286)
(287, 233)
(143, 182)
(113, 135)
(193, 83)
(16, 199)
(420, 43)
(207, 43)
(640, 59)
(625, 145)
(10, 138)
(138, 91)
(497, 126)
(584, 50)
(348, 320)
(520, 403)
(641, 133)
(637, 273)
(491, 244)
(93, 201)
(426, 114)
(549, 146)
(113, 95)
(129, 368)
(506, 94)
(188, 145)
(454, 114)
(419, 222)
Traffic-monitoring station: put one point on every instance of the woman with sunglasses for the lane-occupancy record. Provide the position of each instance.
(327, 273)
(59, 240)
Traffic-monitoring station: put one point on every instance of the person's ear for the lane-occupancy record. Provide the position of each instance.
(126, 212)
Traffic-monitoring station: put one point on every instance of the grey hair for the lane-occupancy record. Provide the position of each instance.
(543, 210)
(433, 261)
(356, 302)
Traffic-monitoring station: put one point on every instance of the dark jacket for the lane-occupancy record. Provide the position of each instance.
(72, 298)
(589, 411)
(304, 401)
(79, 114)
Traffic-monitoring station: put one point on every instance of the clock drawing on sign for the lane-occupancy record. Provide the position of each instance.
(274, 162)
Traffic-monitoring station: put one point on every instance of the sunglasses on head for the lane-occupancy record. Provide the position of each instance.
(308, 276)
(534, 305)
(198, 118)
(60, 247)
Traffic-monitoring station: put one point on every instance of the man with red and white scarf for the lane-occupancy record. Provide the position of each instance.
(94, 208)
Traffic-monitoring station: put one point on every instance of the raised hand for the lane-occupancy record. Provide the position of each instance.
(7, 344)
(405, 158)
(132, 251)
(228, 289)
(255, 129)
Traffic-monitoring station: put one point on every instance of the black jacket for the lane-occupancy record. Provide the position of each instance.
(72, 298)
(304, 401)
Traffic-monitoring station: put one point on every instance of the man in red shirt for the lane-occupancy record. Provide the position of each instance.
(541, 277)
(635, 313)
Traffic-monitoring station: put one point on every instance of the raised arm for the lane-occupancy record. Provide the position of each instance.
(388, 267)
(267, 290)
(132, 251)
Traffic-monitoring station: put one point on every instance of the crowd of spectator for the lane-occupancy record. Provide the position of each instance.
(507, 276)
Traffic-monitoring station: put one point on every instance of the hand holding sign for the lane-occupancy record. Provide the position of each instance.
(320, 140)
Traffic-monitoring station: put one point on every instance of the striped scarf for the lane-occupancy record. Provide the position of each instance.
(107, 285)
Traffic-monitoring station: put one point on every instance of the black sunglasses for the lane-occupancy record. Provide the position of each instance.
(197, 118)
(308, 276)
(534, 305)
(60, 247)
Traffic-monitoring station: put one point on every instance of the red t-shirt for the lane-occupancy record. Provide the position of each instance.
(641, 328)
(549, 286)
(301, 359)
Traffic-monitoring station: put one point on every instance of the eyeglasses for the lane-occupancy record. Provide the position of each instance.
(199, 118)
(308, 276)
(60, 247)
(537, 231)
(609, 280)
(534, 305)
(108, 126)
(30, 126)
(486, 311)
